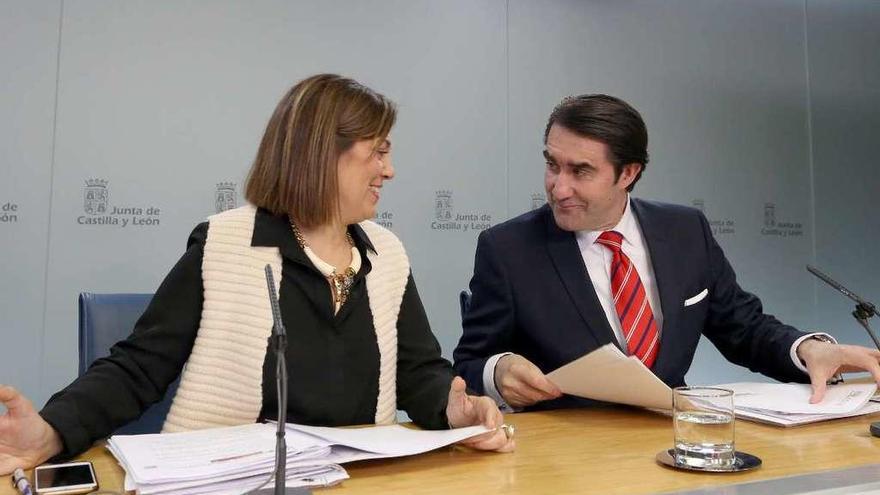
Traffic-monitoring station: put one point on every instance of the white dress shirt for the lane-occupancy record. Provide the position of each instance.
(597, 258)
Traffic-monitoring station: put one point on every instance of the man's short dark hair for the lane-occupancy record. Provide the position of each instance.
(609, 120)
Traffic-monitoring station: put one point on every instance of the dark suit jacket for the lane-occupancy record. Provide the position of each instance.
(531, 295)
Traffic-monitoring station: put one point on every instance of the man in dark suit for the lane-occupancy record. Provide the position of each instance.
(595, 266)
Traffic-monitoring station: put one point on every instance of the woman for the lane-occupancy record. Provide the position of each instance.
(359, 344)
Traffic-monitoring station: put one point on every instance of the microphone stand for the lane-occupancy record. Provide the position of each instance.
(863, 311)
(278, 343)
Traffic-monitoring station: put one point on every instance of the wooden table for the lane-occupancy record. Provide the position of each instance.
(604, 451)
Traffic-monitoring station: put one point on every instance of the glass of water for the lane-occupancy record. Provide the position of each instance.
(703, 422)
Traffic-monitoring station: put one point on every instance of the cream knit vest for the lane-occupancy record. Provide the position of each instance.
(221, 383)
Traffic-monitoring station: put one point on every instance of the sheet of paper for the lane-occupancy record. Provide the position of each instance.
(794, 398)
(391, 440)
(787, 420)
(606, 374)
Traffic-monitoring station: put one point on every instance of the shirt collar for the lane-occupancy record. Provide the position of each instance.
(274, 231)
(626, 227)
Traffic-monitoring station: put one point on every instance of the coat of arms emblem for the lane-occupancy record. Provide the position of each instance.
(225, 197)
(769, 215)
(443, 205)
(538, 200)
(96, 197)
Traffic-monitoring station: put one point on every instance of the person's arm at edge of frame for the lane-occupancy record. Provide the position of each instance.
(129, 375)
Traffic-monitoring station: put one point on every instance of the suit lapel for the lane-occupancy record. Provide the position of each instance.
(664, 263)
(569, 264)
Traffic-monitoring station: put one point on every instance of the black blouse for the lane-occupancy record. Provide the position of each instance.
(332, 359)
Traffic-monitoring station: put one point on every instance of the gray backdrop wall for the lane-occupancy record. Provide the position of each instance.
(123, 124)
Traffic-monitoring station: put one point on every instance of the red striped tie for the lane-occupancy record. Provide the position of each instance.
(631, 302)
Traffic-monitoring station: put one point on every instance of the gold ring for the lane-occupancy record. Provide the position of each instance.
(509, 431)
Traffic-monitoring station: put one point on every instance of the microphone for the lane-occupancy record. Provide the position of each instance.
(277, 324)
(863, 311)
(868, 307)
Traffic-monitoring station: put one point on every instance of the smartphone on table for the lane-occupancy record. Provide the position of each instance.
(65, 479)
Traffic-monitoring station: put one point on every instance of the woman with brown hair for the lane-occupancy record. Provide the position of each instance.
(359, 343)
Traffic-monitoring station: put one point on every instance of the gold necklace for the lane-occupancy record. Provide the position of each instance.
(340, 283)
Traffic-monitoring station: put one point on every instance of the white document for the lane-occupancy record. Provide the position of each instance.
(191, 455)
(208, 453)
(323, 475)
(389, 440)
(794, 398)
(608, 375)
(238, 458)
(783, 419)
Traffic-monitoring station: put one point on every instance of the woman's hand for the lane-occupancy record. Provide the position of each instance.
(468, 410)
(26, 439)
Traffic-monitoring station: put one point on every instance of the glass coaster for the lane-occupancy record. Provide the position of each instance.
(741, 462)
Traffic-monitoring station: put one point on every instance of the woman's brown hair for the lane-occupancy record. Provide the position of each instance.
(320, 118)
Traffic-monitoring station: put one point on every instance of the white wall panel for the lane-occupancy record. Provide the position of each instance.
(844, 38)
(28, 56)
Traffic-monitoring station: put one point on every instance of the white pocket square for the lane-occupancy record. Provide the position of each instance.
(694, 300)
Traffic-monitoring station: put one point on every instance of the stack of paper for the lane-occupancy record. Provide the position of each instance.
(206, 461)
(788, 404)
(608, 375)
(240, 458)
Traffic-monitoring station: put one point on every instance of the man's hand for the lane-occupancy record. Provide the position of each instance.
(26, 439)
(824, 360)
(468, 410)
(521, 383)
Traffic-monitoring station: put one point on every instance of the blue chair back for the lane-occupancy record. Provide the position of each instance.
(105, 319)
(464, 300)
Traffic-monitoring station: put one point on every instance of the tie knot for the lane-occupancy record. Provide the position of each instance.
(611, 239)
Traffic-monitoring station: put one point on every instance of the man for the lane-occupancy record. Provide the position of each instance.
(595, 266)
